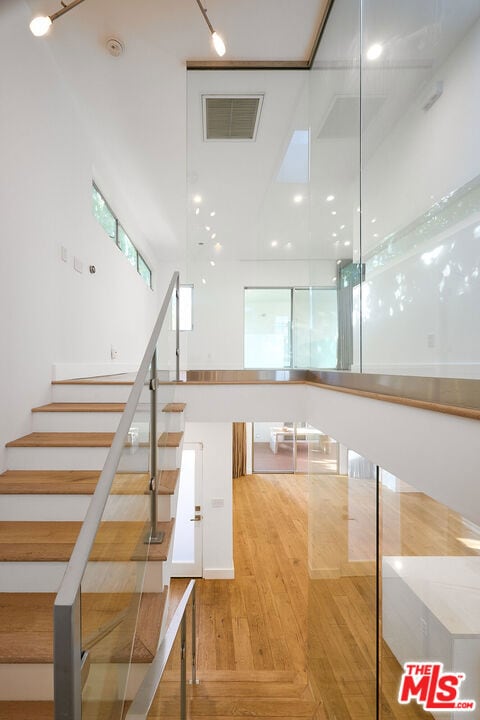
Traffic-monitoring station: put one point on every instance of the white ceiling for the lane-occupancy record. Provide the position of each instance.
(145, 111)
(135, 105)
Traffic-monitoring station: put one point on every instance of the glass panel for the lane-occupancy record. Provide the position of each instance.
(315, 327)
(144, 271)
(273, 447)
(267, 327)
(420, 216)
(430, 600)
(127, 247)
(115, 631)
(322, 455)
(103, 213)
(342, 590)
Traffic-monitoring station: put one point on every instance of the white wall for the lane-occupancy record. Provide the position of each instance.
(217, 338)
(50, 313)
(417, 314)
(216, 438)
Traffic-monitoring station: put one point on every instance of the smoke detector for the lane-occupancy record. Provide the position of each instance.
(115, 47)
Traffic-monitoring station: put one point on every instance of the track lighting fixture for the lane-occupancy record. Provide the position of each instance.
(217, 40)
(41, 24)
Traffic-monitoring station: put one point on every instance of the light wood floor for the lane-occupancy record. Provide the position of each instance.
(295, 638)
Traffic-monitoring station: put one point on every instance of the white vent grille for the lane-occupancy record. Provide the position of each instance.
(228, 117)
(343, 118)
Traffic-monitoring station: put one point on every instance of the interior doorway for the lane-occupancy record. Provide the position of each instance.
(292, 447)
(187, 560)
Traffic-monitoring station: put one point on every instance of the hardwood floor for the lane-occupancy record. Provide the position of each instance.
(294, 635)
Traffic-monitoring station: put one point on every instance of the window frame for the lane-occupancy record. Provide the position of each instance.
(116, 239)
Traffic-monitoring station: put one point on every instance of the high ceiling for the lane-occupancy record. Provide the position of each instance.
(136, 104)
(145, 112)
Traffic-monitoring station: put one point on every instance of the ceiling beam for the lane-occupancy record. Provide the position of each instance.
(304, 64)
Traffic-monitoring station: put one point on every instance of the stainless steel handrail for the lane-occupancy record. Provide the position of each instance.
(67, 640)
(143, 699)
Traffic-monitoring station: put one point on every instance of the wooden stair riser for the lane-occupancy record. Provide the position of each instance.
(95, 393)
(29, 681)
(74, 507)
(33, 681)
(134, 459)
(76, 421)
(38, 577)
(101, 421)
(67, 458)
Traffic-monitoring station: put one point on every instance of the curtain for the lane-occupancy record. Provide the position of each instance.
(239, 445)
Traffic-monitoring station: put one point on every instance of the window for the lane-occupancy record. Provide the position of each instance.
(112, 227)
(291, 327)
(186, 308)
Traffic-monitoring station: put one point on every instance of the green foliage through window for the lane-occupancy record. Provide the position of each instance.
(112, 227)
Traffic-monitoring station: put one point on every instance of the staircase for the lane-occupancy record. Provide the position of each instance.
(52, 475)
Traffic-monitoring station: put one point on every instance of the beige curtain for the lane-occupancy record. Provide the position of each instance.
(239, 454)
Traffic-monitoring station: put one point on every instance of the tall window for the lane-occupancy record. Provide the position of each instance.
(110, 223)
(290, 327)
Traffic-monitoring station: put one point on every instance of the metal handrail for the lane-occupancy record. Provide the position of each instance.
(67, 641)
(143, 699)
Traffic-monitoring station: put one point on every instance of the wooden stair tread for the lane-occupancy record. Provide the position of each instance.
(26, 710)
(167, 481)
(81, 407)
(170, 439)
(69, 482)
(109, 622)
(174, 407)
(64, 439)
(117, 541)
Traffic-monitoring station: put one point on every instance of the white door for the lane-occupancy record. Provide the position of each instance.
(187, 558)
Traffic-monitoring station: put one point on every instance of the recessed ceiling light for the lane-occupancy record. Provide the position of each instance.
(204, 281)
(358, 209)
(274, 243)
(342, 227)
(197, 199)
(297, 199)
(207, 228)
(212, 263)
(374, 51)
(338, 262)
(218, 246)
(334, 279)
(334, 234)
(374, 220)
(334, 212)
(375, 235)
(347, 243)
(212, 214)
(330, 198)
(197, 211)
(213, 236)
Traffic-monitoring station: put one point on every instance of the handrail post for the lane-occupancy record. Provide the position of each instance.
(177, 329)
(194, 637)
(183, 670)
(155, 536)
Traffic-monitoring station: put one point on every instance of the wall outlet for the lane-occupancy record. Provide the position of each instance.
(113, 353)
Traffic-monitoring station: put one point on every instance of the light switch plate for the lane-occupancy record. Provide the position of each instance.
(78, 265)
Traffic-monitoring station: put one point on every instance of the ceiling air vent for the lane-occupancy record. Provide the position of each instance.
(229, 117)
